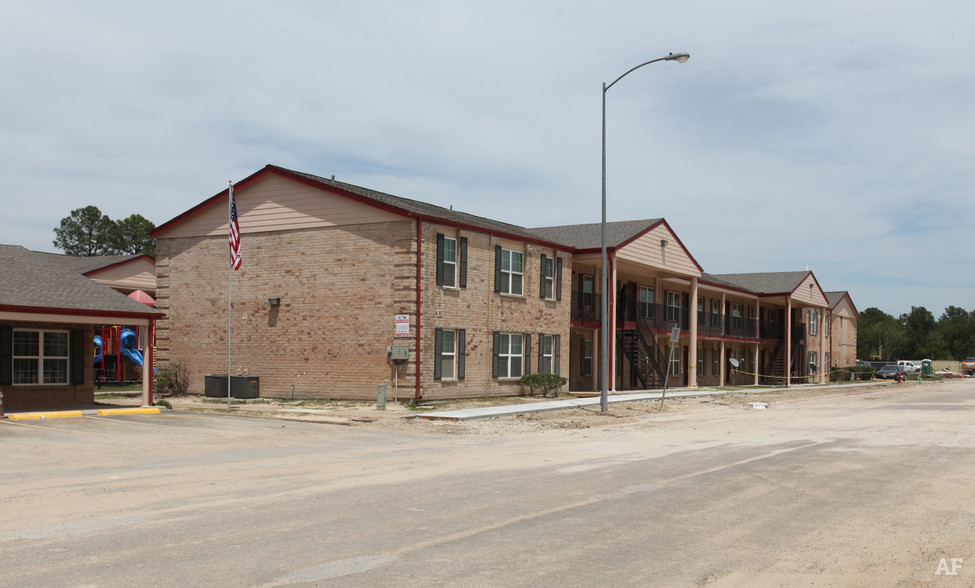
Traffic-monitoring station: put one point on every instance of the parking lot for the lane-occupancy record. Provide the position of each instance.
(871, 489)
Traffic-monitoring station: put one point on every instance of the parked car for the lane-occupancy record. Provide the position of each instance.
(863, 363)
(890, 371)
(909, 366)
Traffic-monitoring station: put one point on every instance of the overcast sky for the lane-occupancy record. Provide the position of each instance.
(837, 136)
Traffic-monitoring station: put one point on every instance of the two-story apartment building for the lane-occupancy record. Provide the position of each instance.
(338, 279)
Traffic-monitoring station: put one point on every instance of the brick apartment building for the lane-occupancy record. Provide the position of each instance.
(336, 276)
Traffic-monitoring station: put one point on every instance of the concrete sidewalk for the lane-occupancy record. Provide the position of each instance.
(466, 414)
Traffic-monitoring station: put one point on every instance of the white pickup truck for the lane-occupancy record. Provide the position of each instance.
(909, 366)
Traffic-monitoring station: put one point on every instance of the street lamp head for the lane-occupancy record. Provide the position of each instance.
(678, 57)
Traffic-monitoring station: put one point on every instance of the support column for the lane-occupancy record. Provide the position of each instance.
(788, 340)
(692, 357)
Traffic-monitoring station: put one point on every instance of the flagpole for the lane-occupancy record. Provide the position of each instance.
(230, 274)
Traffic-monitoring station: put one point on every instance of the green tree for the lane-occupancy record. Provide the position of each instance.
(131, 235)
(86, 232)
(878, 333)
(957, 328)
(919, 325)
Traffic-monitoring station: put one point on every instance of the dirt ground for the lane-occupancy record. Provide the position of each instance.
(402, 416)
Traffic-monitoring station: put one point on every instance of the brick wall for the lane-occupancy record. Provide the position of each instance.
(20, 398)
(340, 291)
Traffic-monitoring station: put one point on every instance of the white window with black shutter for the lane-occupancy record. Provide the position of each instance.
(451, 261)
(548, 354)
(509, 272)
(550, 283)
(449, 347)
(510, 351)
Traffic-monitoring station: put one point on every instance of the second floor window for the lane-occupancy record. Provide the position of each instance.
(509, 271)
(715, 312)
(673, 306)
(700, 311)
(451, 261)
(646, 302)
(736, 319)
(813, 318)
(547, 289)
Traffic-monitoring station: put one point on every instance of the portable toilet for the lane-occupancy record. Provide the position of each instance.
(926, 367)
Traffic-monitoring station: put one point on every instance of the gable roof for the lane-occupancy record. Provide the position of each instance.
(834, 299)
(397, 204)
(36, 282)
(589, 236)
(764, 283)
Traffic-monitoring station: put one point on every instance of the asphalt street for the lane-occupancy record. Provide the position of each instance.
(874, 489)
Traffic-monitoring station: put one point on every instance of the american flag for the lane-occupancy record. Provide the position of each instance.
(235, 257)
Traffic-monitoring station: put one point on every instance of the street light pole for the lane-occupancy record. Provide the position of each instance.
(604, 310)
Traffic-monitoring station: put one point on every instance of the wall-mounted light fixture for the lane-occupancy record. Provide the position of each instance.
(664, 242)
(274, 301)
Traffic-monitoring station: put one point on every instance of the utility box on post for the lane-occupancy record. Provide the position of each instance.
(381, 397)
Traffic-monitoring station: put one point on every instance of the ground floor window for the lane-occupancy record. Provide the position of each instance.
(40, 357)
(508, 355)
(585, 365)
(700, 359)
(715, 362)
(813, 362)
(676, 361)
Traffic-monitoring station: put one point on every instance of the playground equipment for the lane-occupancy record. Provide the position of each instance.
(113, 345)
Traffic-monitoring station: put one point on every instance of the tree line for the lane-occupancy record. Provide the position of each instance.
(88, 232)
(916, 335)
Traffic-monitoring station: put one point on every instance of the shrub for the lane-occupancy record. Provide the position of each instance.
(173, 380)
(544, 382)
(858, 372)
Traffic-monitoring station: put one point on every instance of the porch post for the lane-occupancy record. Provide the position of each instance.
(788, 340)
(692, 358)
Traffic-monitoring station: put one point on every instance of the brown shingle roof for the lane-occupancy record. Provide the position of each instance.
(763, 283)
(38, 280)
(589, 236)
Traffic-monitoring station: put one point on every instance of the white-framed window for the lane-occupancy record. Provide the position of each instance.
(450, 262)
(511, 272)
(548, 278)
(701, 359)
(813, 317)
(736, 316)
(40, 357)
(715, 361)
(715, 312)
(700, 310)
(448, 355)
(585, 366)
(546, 354)
(676, 361)
(646, 302)
(673, 306)
(813, 358)
(508, 355)
(827, 323)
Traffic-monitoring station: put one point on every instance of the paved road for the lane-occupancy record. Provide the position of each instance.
(875, 489)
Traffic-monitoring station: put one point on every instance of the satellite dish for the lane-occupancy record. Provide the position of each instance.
(734, 362)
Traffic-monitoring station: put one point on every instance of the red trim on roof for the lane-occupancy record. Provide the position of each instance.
(120, 263)
(297, 177)
(80, 312)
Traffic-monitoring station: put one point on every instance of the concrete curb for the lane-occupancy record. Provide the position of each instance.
(76, 414)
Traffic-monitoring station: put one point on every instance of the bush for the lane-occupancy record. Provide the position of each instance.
(174, 380)
(859, 372)
(544, 382)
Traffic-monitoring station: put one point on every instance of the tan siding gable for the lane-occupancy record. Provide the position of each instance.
(646, 250)
(809, 293)
(273, 203)
(844, 309)
(134, 275)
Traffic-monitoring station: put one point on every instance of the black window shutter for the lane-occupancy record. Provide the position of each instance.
(437, 343)
(77, 354)
(463, 262)
(527, 357)
(6, 356)
(558, 279)
(461, 352)
(541, 281)
(440, 240)
(497, 268)
(541, 349)
(556, 351)
(496, 369)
